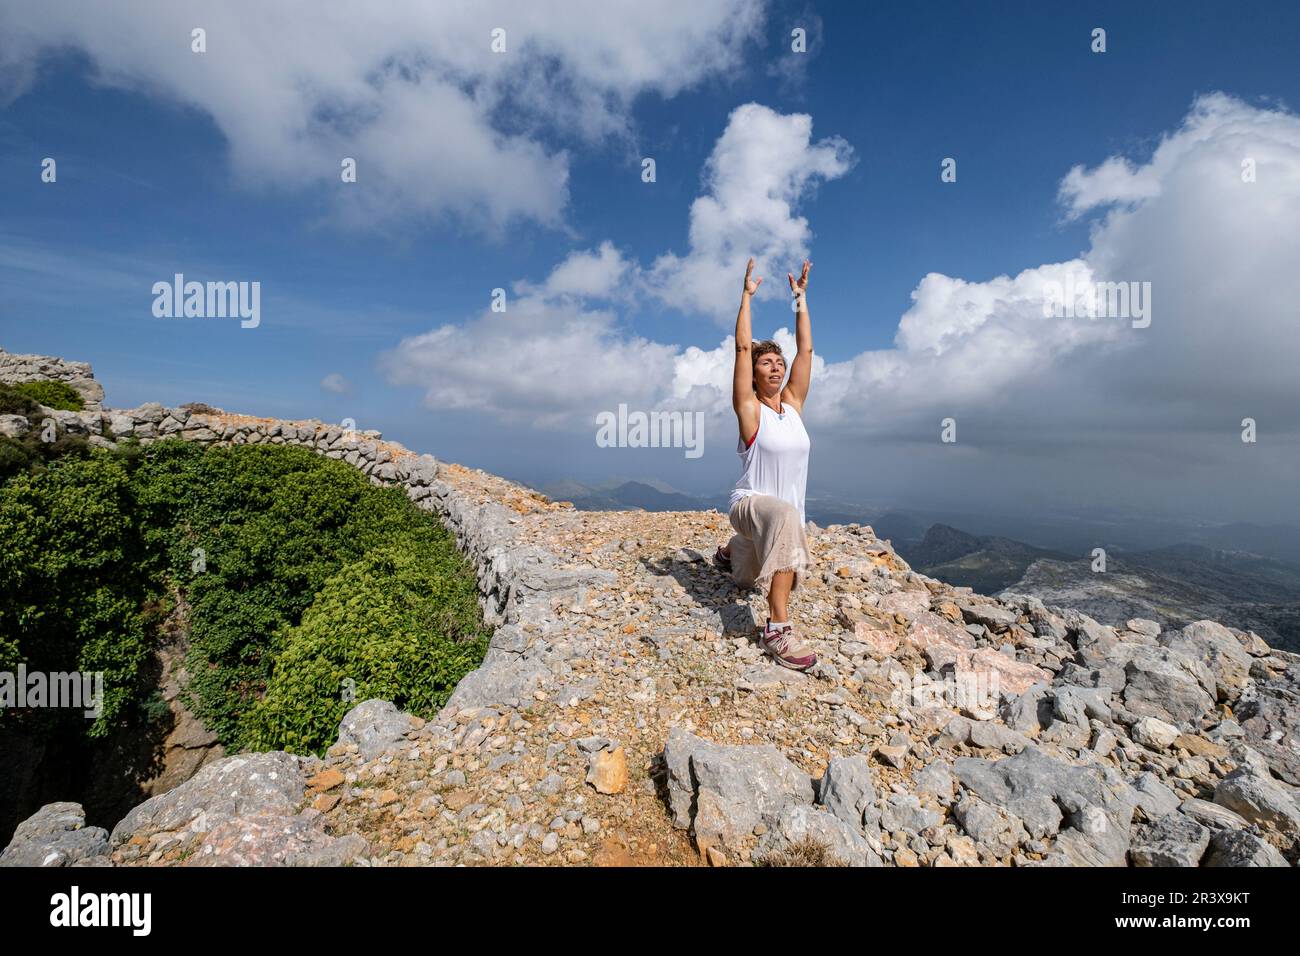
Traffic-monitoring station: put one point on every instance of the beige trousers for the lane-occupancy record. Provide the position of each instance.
(769, 538)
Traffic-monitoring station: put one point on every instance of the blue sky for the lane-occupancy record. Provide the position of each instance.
(158, 174)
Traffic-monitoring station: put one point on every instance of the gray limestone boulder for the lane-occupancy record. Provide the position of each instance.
(56, 835)
(14, 426)
(1239, 848)
(500, 679)
(936, 779)
(799, 822)
(240, 811)
(848, 791)
(1077, 705)
(904, 813)
(1173, 840)
(989, 826)
(243, 785)
(1270, 722)
(723, 792)
(1218, 648)
(1029, 712)
(1259, 799)
(1212, 815)
(374, 726)
(272, 839)
(1154, 799)
(1164, 682)
(1049, 795)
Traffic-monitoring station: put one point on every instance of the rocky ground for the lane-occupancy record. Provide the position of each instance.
(625, 715)
(671, 740)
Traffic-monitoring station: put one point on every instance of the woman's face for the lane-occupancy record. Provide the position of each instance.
(769, 371)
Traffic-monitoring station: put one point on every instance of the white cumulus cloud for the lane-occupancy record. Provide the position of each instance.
(1090, 407)
(438, 123)
(764, 164)
(594, 274)
(541, 362)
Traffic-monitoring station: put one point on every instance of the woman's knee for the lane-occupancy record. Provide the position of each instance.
(782, 510)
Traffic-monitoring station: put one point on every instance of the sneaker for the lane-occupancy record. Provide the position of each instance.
(789, 651)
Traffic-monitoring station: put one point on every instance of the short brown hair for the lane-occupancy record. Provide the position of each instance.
(757, 351)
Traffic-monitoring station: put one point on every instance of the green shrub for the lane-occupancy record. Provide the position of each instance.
(298, 572)
(399, 624)
(51, 394)
(15, 457)
(273, 525)
(31, 454)
(14, 402)
(71, 597)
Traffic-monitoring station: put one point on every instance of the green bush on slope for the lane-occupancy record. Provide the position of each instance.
(272, 524)
(31, 452)
(396, 624)
(14, 402)
(71, 595)
(51, 394)
(254, 536)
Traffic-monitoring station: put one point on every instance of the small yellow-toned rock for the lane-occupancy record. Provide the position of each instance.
(608, 771)
(325, 780)
(1200, 747)
(951, 611)
(458, 800)
(905, 857)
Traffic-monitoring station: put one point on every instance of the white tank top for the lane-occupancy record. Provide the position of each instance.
(776, 463)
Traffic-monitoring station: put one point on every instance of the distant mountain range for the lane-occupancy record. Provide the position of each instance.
(649, 494)
(1173, 585)
(986, 564)
(1176, 585)
(1245, 575)
(629, 495)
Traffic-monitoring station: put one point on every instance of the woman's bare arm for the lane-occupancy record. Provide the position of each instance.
(796, 388)
(742, 380)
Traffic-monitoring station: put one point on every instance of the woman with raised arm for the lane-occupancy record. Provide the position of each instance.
(769, 550)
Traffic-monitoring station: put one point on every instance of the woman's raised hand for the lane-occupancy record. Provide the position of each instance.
(751, 285)
(800, 287)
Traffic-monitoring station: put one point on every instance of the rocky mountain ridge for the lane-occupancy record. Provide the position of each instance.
(1175, 586)
(625, 715)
